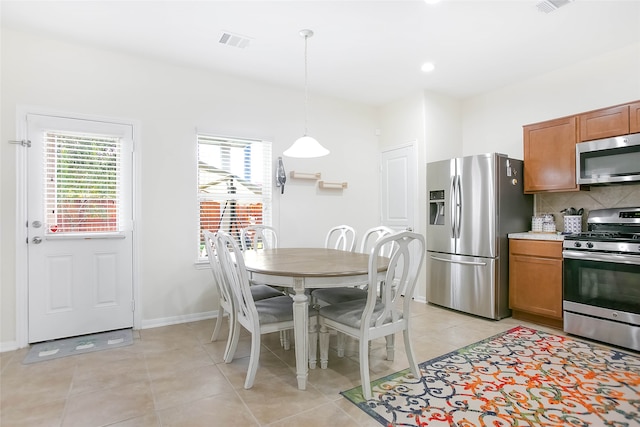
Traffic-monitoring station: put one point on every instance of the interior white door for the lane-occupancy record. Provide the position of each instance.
(398, 185)
(79, 197)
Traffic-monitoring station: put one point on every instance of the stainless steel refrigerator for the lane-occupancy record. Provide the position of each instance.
(474, 202)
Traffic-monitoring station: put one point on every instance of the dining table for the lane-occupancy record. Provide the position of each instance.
(301, 269)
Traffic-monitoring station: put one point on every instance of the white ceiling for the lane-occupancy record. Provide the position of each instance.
(364, 50)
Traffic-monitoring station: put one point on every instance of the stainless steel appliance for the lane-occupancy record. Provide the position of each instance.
(610, 160)
(474, 202)
(601, 278)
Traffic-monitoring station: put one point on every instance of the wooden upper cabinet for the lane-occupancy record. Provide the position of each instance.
(550, 155)
(634, 117)
(604, 123)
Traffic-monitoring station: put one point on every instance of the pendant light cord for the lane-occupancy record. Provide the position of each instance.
(306, 87)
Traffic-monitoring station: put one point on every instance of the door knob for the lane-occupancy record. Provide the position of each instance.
(37, 240)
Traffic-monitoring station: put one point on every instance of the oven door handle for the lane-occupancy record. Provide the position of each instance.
(606, 257)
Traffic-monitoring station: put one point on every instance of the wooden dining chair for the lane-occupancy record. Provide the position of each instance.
(341, 237)
(336, 295)
(225, 298)
(326, 296)
(379, 315)
(257, 317)
(259, 236)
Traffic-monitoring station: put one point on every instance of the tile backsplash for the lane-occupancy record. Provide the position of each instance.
(610, 196)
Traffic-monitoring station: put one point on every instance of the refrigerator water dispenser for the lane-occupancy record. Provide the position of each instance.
(436, 207)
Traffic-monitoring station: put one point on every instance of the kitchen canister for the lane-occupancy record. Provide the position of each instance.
(573, 224)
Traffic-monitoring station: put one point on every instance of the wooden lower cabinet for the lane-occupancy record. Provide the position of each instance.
(535, 281)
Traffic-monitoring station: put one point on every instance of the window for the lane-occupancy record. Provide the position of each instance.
(82, 182)
(234, 185)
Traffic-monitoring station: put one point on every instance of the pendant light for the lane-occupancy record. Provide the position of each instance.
(306, 146)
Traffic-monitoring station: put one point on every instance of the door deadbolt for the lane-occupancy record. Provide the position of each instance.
(36, 224)
(37, 240)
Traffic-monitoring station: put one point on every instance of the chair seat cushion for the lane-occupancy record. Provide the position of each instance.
(338, 295)
(260, 292)
(350, 313)
(273, 310)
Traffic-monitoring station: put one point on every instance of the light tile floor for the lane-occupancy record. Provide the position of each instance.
(175, 376)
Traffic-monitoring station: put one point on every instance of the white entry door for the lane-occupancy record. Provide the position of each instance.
(79, 208)
(398, 184)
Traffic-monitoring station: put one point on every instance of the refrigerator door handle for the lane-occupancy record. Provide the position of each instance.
(458, 206)
(482, 264)
(452, 203)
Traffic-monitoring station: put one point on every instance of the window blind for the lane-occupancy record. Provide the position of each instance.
(82, 183)
(234, 184)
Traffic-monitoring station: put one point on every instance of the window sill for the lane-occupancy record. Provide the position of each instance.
(201, 265)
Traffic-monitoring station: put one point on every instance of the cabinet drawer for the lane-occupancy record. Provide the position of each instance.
(539, 248)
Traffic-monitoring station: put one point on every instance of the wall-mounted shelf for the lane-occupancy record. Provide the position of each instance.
(332, 185)
(315, 176)
(305, 175)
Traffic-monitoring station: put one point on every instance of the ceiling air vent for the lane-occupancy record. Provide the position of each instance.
(235, 40)
(549, 6)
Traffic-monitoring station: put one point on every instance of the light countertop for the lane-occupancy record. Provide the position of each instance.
(536, 236)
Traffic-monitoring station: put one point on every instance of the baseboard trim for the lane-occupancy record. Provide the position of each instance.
(176, 320)
(8, 346)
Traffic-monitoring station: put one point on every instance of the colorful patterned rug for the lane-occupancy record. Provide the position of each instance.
(522, 377)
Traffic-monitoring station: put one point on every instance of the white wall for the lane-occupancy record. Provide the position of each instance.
(170, 102)
(493, 121)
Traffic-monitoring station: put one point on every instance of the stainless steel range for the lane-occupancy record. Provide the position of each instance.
(601, 280)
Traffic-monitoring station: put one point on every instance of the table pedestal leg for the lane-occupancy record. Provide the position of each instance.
(300, 329)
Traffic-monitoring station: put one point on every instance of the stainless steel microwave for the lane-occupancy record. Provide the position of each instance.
(608, 161)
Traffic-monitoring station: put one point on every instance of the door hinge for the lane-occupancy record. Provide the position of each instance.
(133, 305)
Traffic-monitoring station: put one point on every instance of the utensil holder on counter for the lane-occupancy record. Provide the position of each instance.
(573, 223)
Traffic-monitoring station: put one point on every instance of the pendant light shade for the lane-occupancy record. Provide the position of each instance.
(306, 146)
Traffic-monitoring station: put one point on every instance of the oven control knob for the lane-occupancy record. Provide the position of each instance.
(614, 314)
(590, 245)
(577, 244)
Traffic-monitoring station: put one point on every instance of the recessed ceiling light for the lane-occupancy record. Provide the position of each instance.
(427, 67)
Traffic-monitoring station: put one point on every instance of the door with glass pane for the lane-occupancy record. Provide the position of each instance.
(79, 227)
